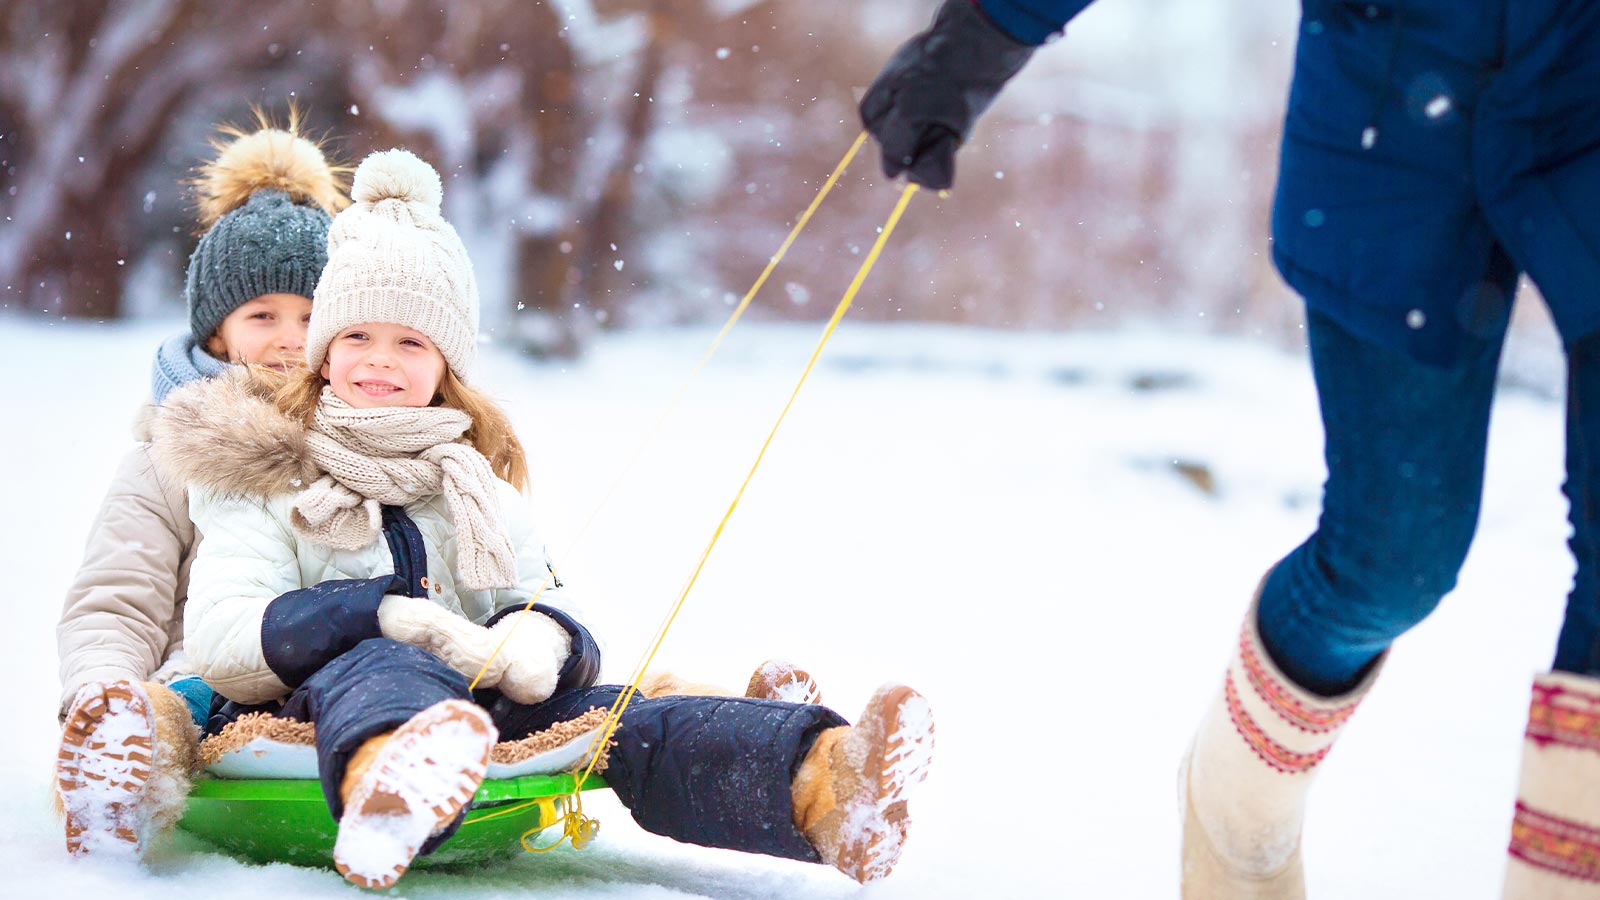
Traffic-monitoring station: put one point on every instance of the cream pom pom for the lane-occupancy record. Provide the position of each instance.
(397, 175)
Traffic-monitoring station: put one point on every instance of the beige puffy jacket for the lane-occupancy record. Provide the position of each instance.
(123, 616)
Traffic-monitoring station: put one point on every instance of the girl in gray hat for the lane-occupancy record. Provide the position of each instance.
(130, 700)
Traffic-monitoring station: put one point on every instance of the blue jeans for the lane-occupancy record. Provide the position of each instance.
(1405, 446)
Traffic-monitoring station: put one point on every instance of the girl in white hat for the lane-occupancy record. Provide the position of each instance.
(366, 550)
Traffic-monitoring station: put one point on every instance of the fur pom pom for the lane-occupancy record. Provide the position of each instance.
(268, 158)
(398, 175)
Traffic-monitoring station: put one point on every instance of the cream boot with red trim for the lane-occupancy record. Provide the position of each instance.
(1555, 832)
(1245, 780)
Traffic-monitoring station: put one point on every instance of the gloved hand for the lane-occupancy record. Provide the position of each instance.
(534, 654)
(929, 94)
(455, 640)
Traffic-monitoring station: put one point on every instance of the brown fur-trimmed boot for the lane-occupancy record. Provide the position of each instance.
(1245, 780)
(403, 786)
(1555, 833)
(670, 684)
(772, 680)
(850, 791)
(128, 750)
(779, 680)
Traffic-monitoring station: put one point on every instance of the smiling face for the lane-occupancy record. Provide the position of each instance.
(382, 364)
(267, 331)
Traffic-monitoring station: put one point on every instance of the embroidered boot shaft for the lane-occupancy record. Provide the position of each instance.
(1555, 831)
(1245, 781)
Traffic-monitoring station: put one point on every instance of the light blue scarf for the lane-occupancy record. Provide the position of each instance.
(179, 360)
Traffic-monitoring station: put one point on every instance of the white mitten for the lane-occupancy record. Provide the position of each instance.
(456, 641)
(534, 653)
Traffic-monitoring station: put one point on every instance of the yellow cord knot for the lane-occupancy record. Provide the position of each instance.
(575, 827)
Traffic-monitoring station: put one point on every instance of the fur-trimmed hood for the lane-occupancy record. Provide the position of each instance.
(225, 435)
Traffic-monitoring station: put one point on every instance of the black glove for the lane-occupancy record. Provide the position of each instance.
(933, 89)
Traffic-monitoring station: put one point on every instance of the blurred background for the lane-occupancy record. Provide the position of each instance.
(634, 162)
(616, 163)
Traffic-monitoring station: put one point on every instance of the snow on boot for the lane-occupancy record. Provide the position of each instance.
(1245, 780)
(403, 786)
(1555, 832)
(122, 773)
(850, 792)
(778, 680)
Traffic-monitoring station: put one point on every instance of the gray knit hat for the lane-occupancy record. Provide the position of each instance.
(268, 199)
(393, 258)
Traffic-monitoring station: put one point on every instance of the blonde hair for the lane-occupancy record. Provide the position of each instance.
(297, 392)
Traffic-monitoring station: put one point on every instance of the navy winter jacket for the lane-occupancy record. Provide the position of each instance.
(1432, 150)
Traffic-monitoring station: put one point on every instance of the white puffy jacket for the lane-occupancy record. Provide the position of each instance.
(251, 556)
(244, 462)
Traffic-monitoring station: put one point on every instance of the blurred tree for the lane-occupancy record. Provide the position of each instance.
(636, 161)
(88, 89)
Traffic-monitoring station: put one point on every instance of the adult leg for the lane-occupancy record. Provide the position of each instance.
(1555, 831)
(1404, 446)
(1405, 452)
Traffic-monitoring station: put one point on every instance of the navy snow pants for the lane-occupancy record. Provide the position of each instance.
(713, 771)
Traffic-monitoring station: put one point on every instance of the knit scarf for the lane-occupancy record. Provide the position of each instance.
(179, 360)
(399, 455)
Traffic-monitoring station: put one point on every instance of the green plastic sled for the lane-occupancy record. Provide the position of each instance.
(287, 820)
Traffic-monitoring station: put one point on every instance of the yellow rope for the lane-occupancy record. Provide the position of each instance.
(577, 827)
(672, 405)
(614, 715)
(508, 810)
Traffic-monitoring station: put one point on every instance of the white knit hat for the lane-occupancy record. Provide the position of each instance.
(393, 258)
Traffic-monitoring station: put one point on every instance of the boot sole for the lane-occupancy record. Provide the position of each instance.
(877, 828)
(774, 680)
(429, 769)
(105, 761)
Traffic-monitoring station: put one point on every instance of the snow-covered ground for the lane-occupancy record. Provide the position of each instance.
(995, 519)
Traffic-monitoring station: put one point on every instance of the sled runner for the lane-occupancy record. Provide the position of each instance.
(287, 820)
(260, 799)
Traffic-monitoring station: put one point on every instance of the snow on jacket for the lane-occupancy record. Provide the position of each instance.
(123, 615)
(268, 607)
(1432, 150)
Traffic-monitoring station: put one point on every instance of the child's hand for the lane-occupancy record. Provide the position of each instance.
(534, 653)
(456, 641)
